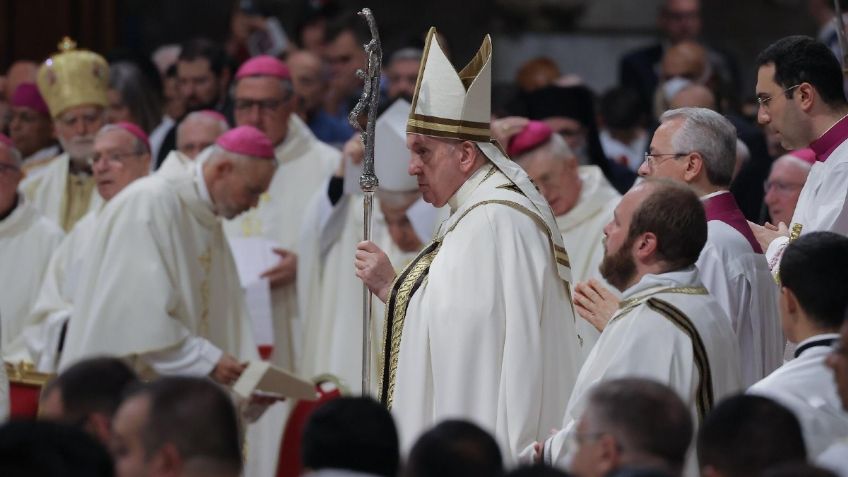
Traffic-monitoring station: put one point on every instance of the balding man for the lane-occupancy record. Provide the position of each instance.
(121, 155)
(162, 290)
(26, 241)
(199, 130)
(785, 181)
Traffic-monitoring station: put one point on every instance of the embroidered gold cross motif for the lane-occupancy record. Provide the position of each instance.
(206, 265)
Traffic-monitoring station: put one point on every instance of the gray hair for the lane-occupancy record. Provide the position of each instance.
(203, 117)
(404, 54)
(709, 134)
(143, 101)
(139, 147)
(556, 148)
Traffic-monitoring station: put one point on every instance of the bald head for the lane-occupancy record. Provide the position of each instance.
(198, 131)
(694, 96)
(688, 60)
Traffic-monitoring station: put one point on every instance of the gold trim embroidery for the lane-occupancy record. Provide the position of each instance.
(796, 232)
(704, 394)
(630, 302)
(206, 265)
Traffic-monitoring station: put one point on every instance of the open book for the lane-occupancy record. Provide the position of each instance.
(263, 378)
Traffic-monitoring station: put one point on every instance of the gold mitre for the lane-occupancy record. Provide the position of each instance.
(450, 104)
(73, 77)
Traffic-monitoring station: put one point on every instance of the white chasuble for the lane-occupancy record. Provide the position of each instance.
(62, 197)
(667, 329)
(480, 325)
(160, 277)
(806, 387)
(304, 164)
(27, 240)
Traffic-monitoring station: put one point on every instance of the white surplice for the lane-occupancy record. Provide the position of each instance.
(330, 294)
(644, 340)
(160, 287)
(480, 325)
(27, 240)
(807, 388)
(821, 205)
(39, 342)
(58, 195)
(835, 458)
(582, 230)
(304, 164)
(740, 281)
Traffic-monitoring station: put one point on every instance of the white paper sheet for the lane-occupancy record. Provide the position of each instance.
(253, 256)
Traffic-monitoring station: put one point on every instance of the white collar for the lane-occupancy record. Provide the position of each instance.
(685, 277)
(709, 196)
(200, 182)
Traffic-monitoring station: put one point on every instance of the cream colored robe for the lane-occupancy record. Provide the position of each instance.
(48, 189)
(480, 326)
(644, 342)
(27, 240)
(582, 230)
(330, 295)
(162, 276)
(305, 162)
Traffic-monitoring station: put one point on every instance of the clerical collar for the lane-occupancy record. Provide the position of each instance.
(831, 139)
(709, 196)
(686, 277)
(200, 181)
(826, 339)
(466, 189)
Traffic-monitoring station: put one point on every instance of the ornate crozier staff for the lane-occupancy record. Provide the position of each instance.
(368, 181)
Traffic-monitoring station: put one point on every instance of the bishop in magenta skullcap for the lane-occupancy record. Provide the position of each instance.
(136, 131)
(263, 66)
(27, 95)
(534, 134)
(247, 141)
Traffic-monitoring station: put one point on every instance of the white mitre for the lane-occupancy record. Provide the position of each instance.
(453, 105)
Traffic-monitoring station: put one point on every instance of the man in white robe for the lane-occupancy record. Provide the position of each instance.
(581, 198)
(835, 457)
(329, 294)
(162, 289)
(697, 146)
(26, 241)
(480, 325)
(121, 155)
(668, 328)
(801, 96)
(263, 98)
(74, 84)
(813, 305)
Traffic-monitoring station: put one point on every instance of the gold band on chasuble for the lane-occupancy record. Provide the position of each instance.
(402, 290)
(704, 393)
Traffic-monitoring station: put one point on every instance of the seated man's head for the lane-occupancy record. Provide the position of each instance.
(686, 60)
(402, 73)
(88, 394)
(442, 165)
(745, 435)
(177, 426)
(308, 81)
(239, 170)
(199, 130)
(812, 293)
(30, 127)
(632, 423)
(203, 74)
(121, 155)
(785, 181)
(354, 434)
(550, 163)
(659, 226)
(455, 449)
(693, 145)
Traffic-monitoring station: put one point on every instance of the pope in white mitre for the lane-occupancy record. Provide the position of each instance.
(480, 325)
(163, 290)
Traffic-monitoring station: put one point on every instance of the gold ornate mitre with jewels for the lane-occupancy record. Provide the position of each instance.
(450, 104)
(73, 77)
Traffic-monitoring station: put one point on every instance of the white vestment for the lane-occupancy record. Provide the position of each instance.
(807, 388)
(667, 329)
(835, 458)
(740, 281)
(480, 325)
(60, 198)
(582, 230)
(53, 306)
(304, 164)
(162, 289)
(821, 205)
(27, 240)
(330, 294)
(41, 156)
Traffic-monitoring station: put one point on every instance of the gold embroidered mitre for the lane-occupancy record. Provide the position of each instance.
(450, 104)
(73, 77)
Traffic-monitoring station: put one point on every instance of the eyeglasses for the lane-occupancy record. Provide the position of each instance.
(112, 157)
(781, 187)
(266, 106)
(651, 158)
(763, 101)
